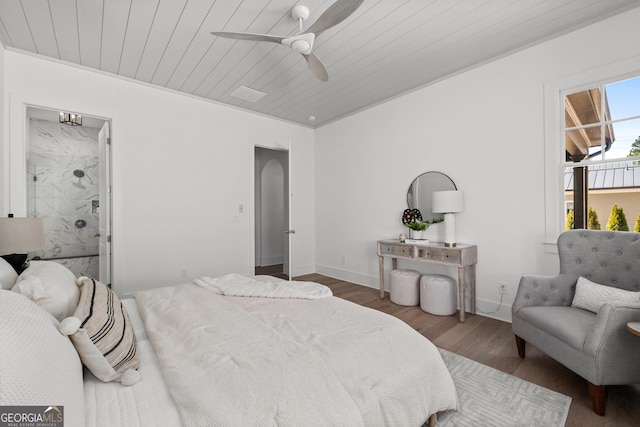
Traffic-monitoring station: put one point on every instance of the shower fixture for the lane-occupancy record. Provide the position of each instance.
(79, 174)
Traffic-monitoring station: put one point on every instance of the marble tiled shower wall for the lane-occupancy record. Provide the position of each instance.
(62, 178)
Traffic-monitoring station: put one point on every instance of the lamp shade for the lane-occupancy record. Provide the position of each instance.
(21, 235)
(451, 201)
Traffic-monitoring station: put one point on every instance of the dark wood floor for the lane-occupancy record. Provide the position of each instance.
(491, 342)
(272, 270)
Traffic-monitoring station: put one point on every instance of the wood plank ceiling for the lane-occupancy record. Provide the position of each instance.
(386, 48)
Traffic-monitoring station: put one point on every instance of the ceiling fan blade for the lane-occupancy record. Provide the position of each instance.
(249, 36)
(335, 14)
(317, 67)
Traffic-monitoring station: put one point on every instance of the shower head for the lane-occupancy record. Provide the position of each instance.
(79, 173)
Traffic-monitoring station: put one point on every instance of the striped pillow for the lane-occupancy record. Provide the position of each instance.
(102, 334)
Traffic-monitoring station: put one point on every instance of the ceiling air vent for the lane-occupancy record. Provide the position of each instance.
(247, 94)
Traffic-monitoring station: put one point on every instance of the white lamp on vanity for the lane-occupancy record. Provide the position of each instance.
(449, 203)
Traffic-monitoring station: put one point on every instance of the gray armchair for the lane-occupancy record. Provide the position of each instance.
(596, 346)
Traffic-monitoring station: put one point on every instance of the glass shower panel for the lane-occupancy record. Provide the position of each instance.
(62, 184)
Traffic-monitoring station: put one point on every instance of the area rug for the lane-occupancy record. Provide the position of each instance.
(489, 397)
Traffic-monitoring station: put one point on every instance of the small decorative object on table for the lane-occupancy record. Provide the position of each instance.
(412, 218)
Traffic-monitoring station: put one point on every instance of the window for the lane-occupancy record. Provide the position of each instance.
(602, 156)
(557, 189)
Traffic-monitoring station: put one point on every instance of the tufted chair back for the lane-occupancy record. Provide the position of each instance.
(609, 258)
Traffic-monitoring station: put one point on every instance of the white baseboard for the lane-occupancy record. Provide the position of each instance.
(302, 270)
(491, 310)
(349, 276)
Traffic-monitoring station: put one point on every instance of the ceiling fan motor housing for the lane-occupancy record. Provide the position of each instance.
(302, 43)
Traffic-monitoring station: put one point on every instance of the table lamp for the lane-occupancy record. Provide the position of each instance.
(448, 203)
(19, 236)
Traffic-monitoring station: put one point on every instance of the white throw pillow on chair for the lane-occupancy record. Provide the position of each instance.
(591, 296)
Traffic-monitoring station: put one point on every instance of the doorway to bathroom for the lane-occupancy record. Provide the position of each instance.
(272, 213)
(68, 186)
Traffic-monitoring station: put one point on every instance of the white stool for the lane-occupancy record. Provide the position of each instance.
(438, 294)
(405, 287)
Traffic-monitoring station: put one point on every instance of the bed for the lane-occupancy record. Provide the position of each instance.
(228, 351)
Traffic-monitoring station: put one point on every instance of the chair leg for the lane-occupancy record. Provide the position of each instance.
(598, 395)
(521, 346)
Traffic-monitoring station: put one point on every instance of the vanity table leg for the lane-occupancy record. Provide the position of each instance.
(461, 288)
(381, 262)
(472, 286)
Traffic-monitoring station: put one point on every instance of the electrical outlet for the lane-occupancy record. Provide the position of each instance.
(344, 260)
(502, 288)
(183, 273)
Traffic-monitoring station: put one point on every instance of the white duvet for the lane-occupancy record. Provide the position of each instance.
(237, 361)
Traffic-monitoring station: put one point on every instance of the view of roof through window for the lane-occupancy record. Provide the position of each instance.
(608, 124)
(602, 150)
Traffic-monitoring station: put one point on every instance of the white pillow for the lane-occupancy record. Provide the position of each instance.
(8, 275)
(38, 365)
(50, 285)
(102, 334)
(591, 296)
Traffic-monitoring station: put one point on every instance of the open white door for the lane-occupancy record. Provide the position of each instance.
(104, 208)
(288, 268)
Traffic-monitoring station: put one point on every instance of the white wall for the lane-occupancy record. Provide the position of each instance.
(485, 129)
(181, 168)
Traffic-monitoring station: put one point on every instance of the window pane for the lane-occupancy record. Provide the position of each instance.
(602, 125)
(610, 184)
(583, 108)
(624, 98)
(625, 134)
(584, 141)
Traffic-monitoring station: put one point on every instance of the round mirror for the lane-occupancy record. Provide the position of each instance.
(419, 194)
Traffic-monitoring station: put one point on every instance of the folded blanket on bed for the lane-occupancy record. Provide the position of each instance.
(236, 285)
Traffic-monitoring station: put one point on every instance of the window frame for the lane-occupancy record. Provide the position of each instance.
(554, 136)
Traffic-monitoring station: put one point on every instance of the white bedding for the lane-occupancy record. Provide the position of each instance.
(147, 403)
(262, 361)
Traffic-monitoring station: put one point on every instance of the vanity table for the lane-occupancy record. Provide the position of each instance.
(462, 256)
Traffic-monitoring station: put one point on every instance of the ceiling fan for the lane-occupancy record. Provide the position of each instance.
(303, 42)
